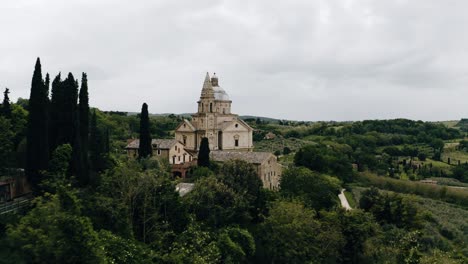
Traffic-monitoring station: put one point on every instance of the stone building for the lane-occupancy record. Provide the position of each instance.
(170, 149)
(229, 137)
(214, 120)
(266, 164)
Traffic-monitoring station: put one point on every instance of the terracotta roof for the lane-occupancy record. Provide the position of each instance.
(161, 143)
(250, 157)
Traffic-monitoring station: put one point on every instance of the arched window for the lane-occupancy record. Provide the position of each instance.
(211, 107)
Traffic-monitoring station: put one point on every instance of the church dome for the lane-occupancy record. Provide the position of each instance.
(220, 94)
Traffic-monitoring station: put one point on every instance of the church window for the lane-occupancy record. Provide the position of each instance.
(159, 152)
(185, 140)
(236, 142)
(211, 107)
(184, 125)
(203, 107)
(179, 158)
(237, 125)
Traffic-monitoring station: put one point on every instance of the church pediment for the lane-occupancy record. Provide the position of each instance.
(185, 126)
(235, 125)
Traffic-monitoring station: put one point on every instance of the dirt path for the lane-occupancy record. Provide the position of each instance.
(344, 201)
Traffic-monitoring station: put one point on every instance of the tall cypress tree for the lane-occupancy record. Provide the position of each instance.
(56, 108)
(98, 151)
(204, 153)
(6, 106)
(37, 148)
(145, 149)
(83, 114)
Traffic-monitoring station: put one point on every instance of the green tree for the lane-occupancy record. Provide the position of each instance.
(204, 153)
(37, 149)
(242, 177)
(55, 231)
(215, 204)
(64, 112)
(83, 114)
(313, 189)
(289, 235)
(194, 245)
(6, 143)
(6, 106)
(98, 151)
(236, 245)
(145, 149)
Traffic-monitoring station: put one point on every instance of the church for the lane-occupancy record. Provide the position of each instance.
(214, 120)
(229, 138)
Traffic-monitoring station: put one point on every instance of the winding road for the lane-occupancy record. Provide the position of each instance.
(344, 201)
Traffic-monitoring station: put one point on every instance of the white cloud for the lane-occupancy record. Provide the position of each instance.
(309, 60)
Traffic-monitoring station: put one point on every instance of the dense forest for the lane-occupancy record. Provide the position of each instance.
(93, 204)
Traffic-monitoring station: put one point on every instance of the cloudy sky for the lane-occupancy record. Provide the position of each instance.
(302, 60)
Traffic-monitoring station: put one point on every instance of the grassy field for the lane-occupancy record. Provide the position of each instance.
(442, 193)
(350, 198)
(446, 226)
(449, 123)
(454, 155)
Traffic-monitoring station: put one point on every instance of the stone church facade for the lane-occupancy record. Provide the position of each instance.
(214, 120)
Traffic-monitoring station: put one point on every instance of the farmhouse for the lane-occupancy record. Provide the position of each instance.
(169, 149)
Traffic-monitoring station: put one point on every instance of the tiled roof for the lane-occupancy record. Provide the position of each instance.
(250, 157)
(161, 143)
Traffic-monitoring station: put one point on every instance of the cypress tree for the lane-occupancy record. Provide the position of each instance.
(83, 114)
(145, 149)
(6, 106)
(204, 153)
(55, 112)
(97, 148)
(68, 129)
(37, 148)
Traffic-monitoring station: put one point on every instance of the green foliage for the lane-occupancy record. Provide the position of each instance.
(215, 204)
(6, 143)
(459, 197)
(204, 153)
(142, 203)
(291, 234)
(242, 177)
(98, 149)
(5, 108)
(58, 164)
(200, 172)
(54, 231)
(390, 209)
(145, 149)
(325, 159)
(313, 189)
(460, 172)
(236, 245)
(37, 153)
(121, 250)
(83, 114)
(194, 246)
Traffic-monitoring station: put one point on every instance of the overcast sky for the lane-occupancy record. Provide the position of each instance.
(302, 60)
